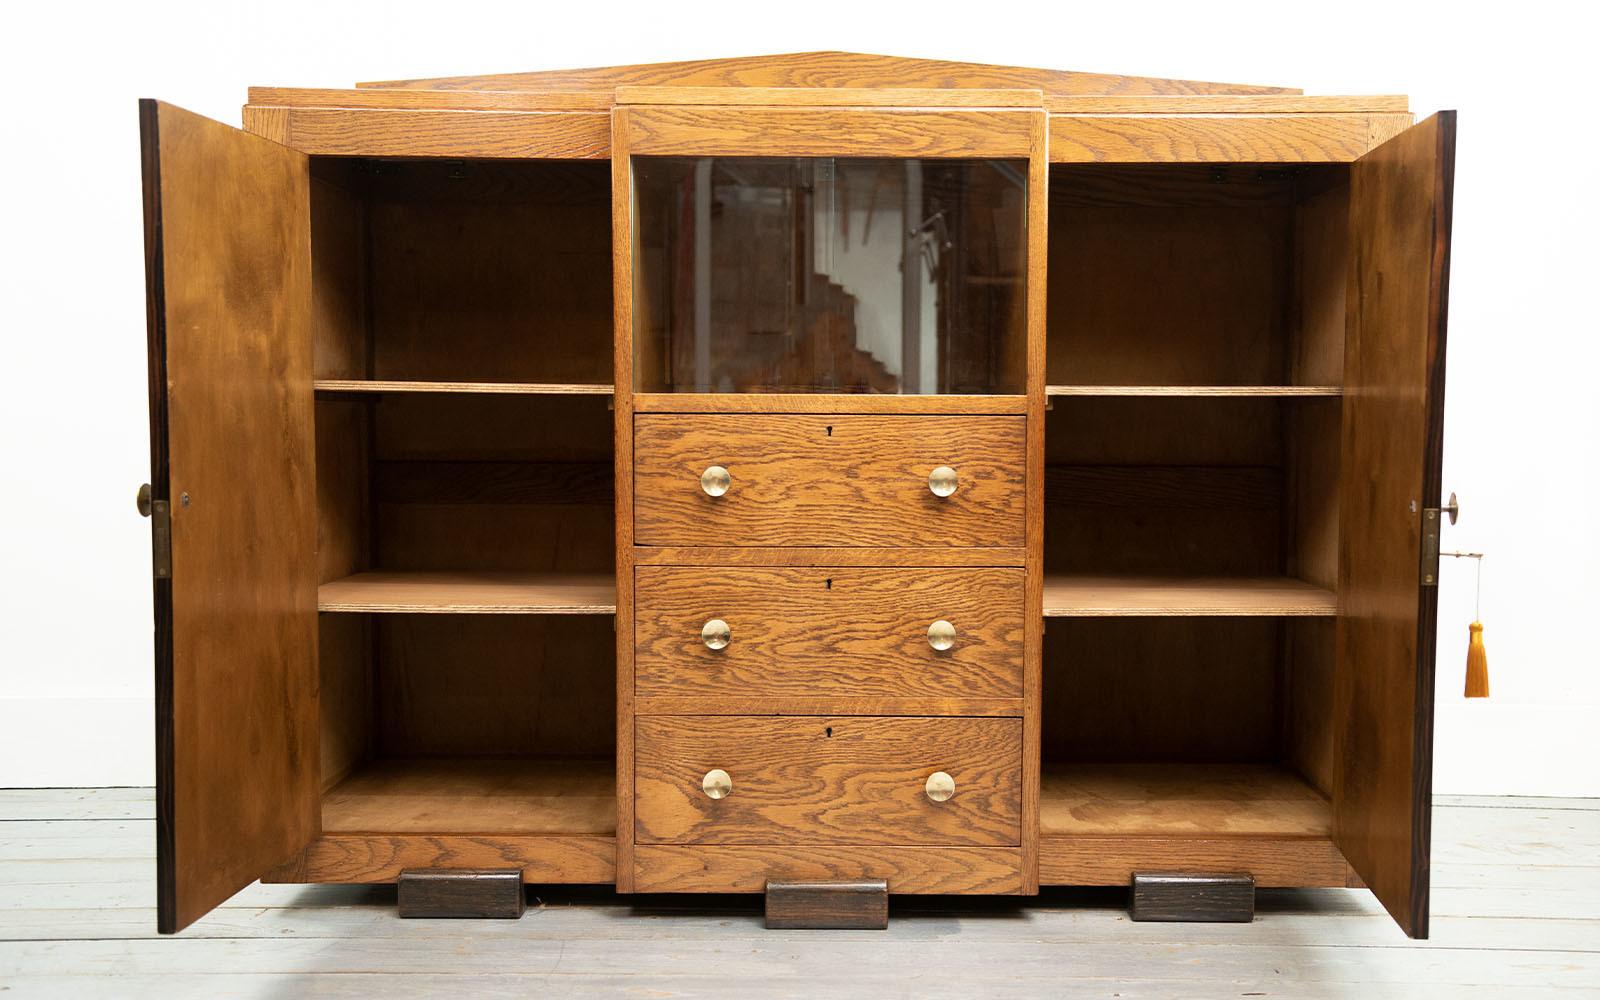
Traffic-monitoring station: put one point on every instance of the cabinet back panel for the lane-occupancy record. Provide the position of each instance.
(462, 271)
(1321, 277)
(343, 499)
(1309, 737)
(1155, 280)
(1159, 690)
(495, 684)
(344, 659)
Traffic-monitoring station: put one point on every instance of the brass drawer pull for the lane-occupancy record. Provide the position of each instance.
(940, 786)
(941, 635)
(942, 481)
(716, 634)
(715, 481)
(718, 785)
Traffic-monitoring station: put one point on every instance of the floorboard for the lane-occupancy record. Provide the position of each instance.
(1516, 915)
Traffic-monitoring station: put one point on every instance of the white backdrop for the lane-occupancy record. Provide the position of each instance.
(1522, 416)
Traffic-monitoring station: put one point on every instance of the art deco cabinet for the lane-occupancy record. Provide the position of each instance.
(812, 468)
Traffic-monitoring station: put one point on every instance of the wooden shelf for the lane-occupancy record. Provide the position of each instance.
(502, 388)
(1199, 800)
(491, 795)
(1194, 390)
(471, 593)
(1081, 596)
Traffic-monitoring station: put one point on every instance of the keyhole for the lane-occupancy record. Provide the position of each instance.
(828, 732)
(827, 584)
(830, 430)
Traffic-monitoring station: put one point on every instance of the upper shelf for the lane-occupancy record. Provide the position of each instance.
(503, 388)
(1193, 390)
(1082, 596)
(471, 593)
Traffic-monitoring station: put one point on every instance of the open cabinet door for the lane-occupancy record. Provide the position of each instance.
(232, 494)
(1393, 431)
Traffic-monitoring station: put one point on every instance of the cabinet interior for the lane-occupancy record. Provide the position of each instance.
(1196, 326)
(465, 496)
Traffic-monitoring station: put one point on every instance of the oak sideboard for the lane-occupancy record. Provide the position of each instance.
(825, 475)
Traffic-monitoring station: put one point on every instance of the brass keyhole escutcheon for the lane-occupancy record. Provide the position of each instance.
(942, 481)
(714, 482)
(940, 786)
(941, 635)
(716, 634)
(717, 784)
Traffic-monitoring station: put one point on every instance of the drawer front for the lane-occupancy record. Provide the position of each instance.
(810, 479)
(827, 780)
(828, 631)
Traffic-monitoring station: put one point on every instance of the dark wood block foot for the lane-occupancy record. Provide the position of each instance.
(1193, 897)
(484, 893)
(828, 905)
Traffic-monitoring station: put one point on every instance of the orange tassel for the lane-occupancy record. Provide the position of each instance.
(1477, 663)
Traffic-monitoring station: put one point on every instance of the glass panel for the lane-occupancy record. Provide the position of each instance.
(761, 274)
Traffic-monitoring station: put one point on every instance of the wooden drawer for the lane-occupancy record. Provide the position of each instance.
(828, 631)
(816, 479)
(827, 780)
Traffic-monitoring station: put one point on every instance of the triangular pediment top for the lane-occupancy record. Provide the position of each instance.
(829, 69)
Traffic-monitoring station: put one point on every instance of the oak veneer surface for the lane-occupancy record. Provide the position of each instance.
(228, 243)
(828, 69)
(804, 479)
(747, 867)
(367, 858)
(1274, 861)
(822, 631)
(1071, 595)
(471, 593)
(828, 780)
(1246, 138)
(467, 795)
(656, 130)
(529, 388)
(1204, 800)
(1400, 205)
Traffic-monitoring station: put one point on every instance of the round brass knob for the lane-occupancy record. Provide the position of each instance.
(942, 481)
(716, 634)
(715, 481)
(718, 785)
(143, 500)
(941, 635)
(940, 786)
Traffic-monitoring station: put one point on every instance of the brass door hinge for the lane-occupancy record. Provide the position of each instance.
(160, 514)
(1432, 518)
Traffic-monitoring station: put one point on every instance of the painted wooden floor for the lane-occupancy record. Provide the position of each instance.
(1516, 914)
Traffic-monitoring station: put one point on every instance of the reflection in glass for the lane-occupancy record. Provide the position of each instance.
(829, 275)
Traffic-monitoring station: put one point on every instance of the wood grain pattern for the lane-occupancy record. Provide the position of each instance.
(1274, 862)
(366, 858)
(828, 780)
(1221, 104)
(482, 592)
(828, 69)
(823, 402)
(699, 131)
(818, 480)
(1038, 279)
(908, 870)
(862, 904)
(467, 893)
(831, 630)
(557, 135)
(682, 703)
(623, 249)
(493, 388)
(428, 100)
(1192, 897)
(228, 279)
(688, 555)
(1246, 138)
(1192, 390)
(471, 795)
(1400, 204)
(833, 97)
(1073, 595)
(1201, 800)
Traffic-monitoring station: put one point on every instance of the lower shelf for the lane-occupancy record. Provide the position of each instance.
(1099, 823)
(471, 593)
(475, 795)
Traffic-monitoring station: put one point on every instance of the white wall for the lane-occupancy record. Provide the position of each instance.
(75, 676)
